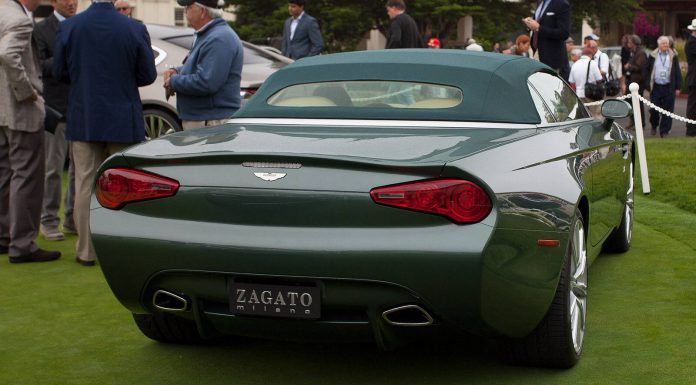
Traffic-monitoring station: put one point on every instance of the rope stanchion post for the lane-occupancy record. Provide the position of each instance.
(640, 141)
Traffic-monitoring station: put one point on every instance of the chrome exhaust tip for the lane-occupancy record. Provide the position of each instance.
(167, 301)
(408, 315)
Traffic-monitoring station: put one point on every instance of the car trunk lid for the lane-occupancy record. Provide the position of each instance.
(314, 157)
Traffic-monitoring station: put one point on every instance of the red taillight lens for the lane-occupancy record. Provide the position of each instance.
(118, 186)
(460, 200)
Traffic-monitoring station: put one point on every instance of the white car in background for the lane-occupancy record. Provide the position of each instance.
(170, 46)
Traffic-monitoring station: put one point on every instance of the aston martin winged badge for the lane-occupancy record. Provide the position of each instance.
(270, 176)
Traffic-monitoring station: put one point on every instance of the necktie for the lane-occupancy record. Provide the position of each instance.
(537, 16)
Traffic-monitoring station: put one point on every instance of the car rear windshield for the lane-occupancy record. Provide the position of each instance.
(369, 94)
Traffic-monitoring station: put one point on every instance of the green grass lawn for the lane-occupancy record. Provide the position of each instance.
(60, 324)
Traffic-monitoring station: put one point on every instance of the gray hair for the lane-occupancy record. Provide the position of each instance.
(635, 39)
(663, 38)
(213, 13)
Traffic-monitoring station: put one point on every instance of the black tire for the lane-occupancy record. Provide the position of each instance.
(168, 328)
(620, 240)
(555, 342)
(159, 122)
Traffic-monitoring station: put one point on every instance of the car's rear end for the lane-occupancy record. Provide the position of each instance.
(326, 233)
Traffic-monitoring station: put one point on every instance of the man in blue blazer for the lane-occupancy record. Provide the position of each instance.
(105, 57)
(550, 28)
(301, 34)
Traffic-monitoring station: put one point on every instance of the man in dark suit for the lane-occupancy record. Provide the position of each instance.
(550, 28)
(690, 50)
(56, 94)
(403, 31)
(106, 57)
(301, 34)
(21, 135)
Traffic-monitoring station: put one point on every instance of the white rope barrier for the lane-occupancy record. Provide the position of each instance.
(665, 112)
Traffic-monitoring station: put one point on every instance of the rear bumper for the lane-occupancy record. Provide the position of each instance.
(471, 279)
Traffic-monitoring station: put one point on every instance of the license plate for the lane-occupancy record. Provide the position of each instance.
(275, 300)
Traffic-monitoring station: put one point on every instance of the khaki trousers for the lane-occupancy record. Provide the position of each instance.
(193, 124)
(56, 152)
(87, 157)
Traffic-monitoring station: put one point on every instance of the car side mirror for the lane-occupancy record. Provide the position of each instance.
(613, 109)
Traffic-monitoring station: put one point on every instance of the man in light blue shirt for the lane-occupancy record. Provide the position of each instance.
(663, 83)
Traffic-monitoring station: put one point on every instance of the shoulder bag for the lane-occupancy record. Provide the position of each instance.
(593, 91)
(611, 85)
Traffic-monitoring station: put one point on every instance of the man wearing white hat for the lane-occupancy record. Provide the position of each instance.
(690, 49)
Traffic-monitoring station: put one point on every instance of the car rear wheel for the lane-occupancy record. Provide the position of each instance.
(558, 339)
(167, 328)
(620, 239)
(159, 123)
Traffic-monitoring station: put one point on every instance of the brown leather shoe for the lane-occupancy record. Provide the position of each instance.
(85, 263)
(40, 255)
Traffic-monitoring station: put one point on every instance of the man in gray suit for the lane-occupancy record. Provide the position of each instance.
(56, 94)
(21, 135)
(301, 34)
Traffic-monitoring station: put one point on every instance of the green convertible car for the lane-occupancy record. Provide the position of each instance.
(379, 195)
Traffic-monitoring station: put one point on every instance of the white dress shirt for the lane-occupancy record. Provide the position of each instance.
(578, 73)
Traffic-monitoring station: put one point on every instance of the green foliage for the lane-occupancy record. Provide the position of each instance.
(597, 11)
(260, 20)
(345, 22)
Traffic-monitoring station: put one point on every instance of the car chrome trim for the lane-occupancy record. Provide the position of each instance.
(563, 124)
(161, 55)
(173, 296)
(271, 165)
(428, 318)
(379, 123)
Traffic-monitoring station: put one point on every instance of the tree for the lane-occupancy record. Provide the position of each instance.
(345, 22)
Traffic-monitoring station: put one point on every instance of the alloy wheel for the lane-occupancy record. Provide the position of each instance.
(156, 126)
(628, 209)
(578, 286)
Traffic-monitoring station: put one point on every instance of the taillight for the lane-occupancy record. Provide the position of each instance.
(118, 186)
(460, 200)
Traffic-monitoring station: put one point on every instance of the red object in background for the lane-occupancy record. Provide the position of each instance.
(434, 42)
